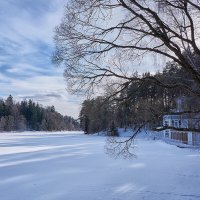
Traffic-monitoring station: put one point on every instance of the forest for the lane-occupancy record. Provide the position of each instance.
(28, 115)
(141, 104)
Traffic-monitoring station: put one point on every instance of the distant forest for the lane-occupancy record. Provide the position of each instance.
(28, 115)
(140, 104)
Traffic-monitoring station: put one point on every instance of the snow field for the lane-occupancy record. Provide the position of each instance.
(73, 166)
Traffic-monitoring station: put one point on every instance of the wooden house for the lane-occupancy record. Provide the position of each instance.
(181, 121)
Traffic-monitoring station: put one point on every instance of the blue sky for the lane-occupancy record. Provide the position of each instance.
(26, 45)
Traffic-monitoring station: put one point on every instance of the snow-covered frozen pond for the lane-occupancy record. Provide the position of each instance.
(72, 166)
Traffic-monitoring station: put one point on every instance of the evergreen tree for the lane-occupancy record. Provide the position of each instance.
(28, 115)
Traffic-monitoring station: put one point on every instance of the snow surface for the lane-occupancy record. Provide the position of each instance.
(73, 166)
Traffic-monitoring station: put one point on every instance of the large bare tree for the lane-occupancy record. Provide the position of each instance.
(101, 42)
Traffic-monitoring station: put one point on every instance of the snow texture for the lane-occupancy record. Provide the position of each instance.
(73, 166)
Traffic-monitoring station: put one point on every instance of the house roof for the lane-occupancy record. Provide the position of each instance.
(182, 116)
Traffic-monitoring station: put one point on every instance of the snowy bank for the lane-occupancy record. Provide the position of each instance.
(73, 166)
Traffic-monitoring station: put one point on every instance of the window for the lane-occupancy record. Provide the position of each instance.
(180, 123)
(167, 134)
(176, 124)
(166, 123)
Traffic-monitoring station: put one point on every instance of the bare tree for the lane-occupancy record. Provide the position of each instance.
(99, 42)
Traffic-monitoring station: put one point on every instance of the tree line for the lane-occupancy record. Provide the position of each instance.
(140, 104)
(28, 115)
